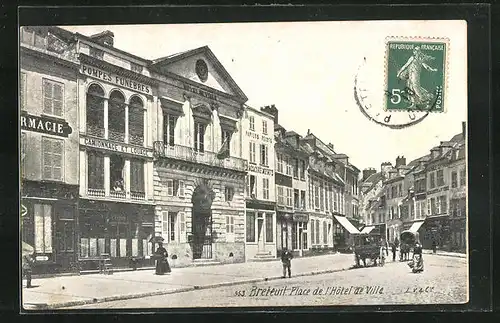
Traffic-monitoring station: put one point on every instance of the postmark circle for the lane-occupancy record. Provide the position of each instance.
(366, 97)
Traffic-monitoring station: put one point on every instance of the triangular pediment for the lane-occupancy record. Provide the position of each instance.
(200, 66)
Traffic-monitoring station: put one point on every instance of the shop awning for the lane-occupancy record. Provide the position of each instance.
(346, 224)
(368, 229)
(415, 226)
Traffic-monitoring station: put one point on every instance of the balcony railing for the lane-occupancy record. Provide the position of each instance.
(95, 131)
(137, 196)
(96, 192)
(116, 136)
(189, 154)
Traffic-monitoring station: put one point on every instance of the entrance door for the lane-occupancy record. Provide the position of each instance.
(260, 233)
(202, 234)
(65, 240)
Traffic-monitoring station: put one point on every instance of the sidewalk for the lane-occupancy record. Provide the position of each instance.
(446, 253)
(66, 291)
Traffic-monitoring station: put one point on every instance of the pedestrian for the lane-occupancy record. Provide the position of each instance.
(434, 246)
(286, 260)
(27, 269)
(162, 265)
(393, 249)
(417, 265)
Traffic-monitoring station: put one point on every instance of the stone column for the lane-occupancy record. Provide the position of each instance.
(106, 126)
(106, 172)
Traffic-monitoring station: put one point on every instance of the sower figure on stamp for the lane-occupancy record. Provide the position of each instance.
(286, 259)
(411, 72)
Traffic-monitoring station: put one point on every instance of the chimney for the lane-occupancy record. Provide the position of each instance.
(385, 167)
(400, 161)
(464, 129)
(308, 131)
(271, 109)
(106, 38)
(330, 145)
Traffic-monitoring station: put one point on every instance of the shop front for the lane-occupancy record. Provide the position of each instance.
(121, 231)
(436, 229)
(260, 230)
(342, 233)
(49, 225)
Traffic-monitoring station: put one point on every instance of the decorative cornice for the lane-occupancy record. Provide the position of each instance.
(53, 58)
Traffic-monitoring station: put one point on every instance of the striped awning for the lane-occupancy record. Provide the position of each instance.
(368, 229)
(346, 224)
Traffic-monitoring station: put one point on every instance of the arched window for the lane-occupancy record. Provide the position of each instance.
(136, 121)
(116, 116)
(95, 111)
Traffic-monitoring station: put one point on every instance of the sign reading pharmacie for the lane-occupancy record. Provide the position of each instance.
(115, 79)
(116, 147)
(45, 124)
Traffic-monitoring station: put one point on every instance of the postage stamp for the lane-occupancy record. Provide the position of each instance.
(416, 74)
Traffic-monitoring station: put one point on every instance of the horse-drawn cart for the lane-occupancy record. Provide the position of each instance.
(366, 247)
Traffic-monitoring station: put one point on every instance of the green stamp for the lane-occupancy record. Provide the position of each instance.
(416, 75)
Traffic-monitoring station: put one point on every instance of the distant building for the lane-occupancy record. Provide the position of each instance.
(260, 197)
(48, 101)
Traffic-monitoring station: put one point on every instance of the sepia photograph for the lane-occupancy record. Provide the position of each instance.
(257, 164)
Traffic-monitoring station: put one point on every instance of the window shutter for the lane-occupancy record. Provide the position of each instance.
(227, 224)
(57, 100)
(164, 223)
(57, 154)
(182, 227)
(170, 187)
(47, 158)
(47, 97)
(181, 188)
(22, 90)
(232, 223)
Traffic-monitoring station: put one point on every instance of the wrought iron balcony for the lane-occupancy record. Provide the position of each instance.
(191, 155)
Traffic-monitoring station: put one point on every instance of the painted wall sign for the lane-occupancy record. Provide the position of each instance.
(117, 147)
(45, 124)
(260, 170)
(256, 136)
(41, 258)
(201, 92)
(24, 210)
(115, 79)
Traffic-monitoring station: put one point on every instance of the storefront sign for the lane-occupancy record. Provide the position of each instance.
(260, 170)
(201, 92)
(118, 147)
(45, 124)
(24, 210)
(41, 258)
(437, 190)
(256, 136)
(115, 79)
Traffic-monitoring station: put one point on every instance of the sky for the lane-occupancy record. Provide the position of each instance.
(307, 70)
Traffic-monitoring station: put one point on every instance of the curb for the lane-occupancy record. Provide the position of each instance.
(166, 292)
(463, 256)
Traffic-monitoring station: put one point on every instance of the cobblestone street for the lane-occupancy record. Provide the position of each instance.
(443, 281)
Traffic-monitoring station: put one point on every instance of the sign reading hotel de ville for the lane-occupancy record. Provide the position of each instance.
(115, 79)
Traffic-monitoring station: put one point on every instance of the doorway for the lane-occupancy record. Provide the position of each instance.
(201, 221)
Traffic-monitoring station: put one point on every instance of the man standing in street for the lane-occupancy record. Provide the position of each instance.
(393, 249)
(27, 263)
(286, 260)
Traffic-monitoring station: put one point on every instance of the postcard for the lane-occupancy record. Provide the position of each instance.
(243, 164)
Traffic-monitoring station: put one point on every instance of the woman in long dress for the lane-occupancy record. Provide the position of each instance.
(418, 261)
(162, 265)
